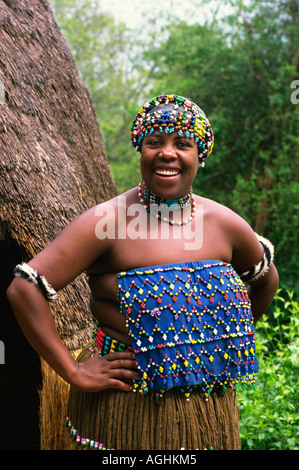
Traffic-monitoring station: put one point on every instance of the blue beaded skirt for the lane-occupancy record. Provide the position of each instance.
(190, 324)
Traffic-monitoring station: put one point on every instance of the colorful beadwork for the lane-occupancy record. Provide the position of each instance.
(190, 325)
(177, 114)
(150, 197)
(84, 441)
(105, 343)
(149, 200)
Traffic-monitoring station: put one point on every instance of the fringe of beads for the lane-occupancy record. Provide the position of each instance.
(84, 441)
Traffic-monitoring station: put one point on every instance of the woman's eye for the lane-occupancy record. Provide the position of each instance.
(183, 144)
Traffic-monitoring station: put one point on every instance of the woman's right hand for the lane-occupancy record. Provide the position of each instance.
(113, 370)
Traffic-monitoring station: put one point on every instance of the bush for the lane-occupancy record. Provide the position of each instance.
(269, 414)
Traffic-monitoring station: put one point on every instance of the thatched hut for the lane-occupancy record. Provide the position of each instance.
(52, 168)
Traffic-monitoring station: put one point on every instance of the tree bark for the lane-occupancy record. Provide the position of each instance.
(52, 161)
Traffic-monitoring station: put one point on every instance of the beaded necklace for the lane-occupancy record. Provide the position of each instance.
(148, 199)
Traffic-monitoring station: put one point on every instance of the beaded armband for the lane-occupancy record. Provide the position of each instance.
(259, 270)
(26, 272)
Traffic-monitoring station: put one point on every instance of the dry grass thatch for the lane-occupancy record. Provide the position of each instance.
(53, 165)
(52, 161)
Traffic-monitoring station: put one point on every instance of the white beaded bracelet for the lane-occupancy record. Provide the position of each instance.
(26, 272)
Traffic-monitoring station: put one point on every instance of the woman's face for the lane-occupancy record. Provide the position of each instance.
(169, 164)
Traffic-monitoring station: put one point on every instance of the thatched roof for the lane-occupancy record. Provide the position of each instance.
(52, 161)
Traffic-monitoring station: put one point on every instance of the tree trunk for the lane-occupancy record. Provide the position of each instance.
(52, 168)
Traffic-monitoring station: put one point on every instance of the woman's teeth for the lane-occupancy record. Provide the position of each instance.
(167, 172)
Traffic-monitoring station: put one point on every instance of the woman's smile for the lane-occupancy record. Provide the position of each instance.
(167, 172)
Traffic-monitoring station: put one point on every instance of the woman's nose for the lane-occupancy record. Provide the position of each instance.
(167, 150)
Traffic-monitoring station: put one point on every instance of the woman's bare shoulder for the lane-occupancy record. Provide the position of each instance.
(218, 211)
(235, 230)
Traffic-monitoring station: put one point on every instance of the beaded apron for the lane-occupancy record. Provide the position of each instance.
(190, 324)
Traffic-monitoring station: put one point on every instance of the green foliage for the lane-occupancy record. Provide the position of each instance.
(269, 414)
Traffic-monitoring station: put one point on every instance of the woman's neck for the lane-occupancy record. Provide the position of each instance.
(156, 205)
(151, 198)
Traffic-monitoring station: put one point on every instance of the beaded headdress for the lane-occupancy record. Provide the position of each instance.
(176, 114)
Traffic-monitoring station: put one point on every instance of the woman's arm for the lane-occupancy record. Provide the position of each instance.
(60, 263)
(262, 291)
(248, 252)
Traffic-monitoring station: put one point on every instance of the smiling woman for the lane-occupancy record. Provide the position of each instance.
(174, 137)
(174, 321)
